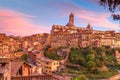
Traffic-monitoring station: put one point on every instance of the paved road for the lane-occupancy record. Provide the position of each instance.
(116, 77)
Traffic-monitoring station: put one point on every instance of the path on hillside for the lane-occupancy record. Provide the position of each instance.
(64, 61)
(66, 58)
(116, 77)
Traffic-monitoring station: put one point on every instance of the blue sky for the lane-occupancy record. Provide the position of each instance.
(26, 17)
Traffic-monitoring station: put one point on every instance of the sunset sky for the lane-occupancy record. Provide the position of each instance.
(26, 17)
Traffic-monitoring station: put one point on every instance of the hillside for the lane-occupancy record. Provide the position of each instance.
(93, 62)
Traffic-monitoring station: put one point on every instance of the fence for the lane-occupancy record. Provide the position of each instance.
(39, 77)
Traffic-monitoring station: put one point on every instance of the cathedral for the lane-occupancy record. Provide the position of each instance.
(69, 28)
(70, 35)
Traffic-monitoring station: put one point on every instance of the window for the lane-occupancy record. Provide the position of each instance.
(47, 63)
(46, 67)
(6, 78)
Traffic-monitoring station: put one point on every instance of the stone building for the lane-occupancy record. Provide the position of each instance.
(70, 35)
(2, 36)
(48, 65)
(9, 69)
(117, 40)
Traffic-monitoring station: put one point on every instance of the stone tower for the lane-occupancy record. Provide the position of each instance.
(71, 18)
(71, 21)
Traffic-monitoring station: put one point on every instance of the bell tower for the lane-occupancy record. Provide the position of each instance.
(71, 21)
(71, 18)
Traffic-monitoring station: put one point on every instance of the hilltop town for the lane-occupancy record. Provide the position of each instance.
(65, 53)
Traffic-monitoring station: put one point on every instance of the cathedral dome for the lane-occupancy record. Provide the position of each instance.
(69, 24)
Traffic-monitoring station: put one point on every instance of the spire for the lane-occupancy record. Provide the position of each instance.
(71, 18)
(89, 26)
(71, 21)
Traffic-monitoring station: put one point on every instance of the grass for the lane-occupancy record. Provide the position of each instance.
(72, 71)
(92, 76)
(101, 75)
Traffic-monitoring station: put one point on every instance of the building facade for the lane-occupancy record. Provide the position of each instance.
(49, 66)
(70, 35)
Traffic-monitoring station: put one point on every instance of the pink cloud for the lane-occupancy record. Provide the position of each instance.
(16, 23)
(99, 19)
(96, 19)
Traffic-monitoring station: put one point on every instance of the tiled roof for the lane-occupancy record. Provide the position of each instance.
(15, 66)
(45, 59)
(2, 70)
(30, 54)
(4, 60)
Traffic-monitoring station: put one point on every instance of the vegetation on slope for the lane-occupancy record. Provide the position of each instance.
(51, 53)
(94, 62)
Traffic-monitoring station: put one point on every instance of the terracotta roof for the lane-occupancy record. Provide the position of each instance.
(2, 70)
(46, 59)
(32, 56)
(15, 66)
(4, 60)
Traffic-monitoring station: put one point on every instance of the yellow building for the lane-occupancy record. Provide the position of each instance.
(117, 43)
(48, 65)
(117, 40)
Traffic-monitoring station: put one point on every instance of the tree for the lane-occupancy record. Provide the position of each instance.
(80, 77)
(24, 57)
(91, 64)
(53, 56)
(74, 56)
(116, 16)
(90, 57)
(111, 4)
